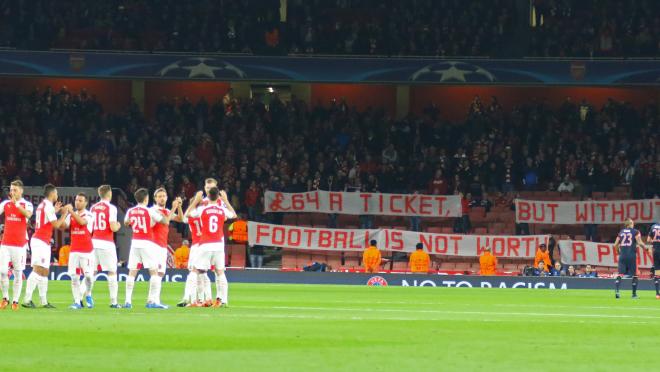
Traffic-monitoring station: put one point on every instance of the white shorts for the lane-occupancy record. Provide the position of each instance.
(82, 261)
(40, 253)
(192, 256)
(107, 258)
(160, 255)
(209, 255)
(145, 255)
(15, 255)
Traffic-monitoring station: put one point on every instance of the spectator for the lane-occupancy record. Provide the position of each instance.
(571, 271)
(590, 231)
(317, 267)
(438, 185)
(589, 272)
(556, 270)
(371, 258)
(389, 155)
(420, 261)
(251, 198)
(566, 185)
(188, 188)
(181, 255)
(552, 244)
(488, 263)
(540, 270)
(542, 256)
(63, 257)
(257, 256)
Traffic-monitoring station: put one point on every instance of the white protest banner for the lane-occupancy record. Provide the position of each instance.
(355, 240)
(575, 252)
(364, 203)
(600, 212)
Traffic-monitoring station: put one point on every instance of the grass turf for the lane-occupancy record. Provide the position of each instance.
(321, 327)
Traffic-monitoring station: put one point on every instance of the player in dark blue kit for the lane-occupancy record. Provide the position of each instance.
(654, 239)
(626, 246)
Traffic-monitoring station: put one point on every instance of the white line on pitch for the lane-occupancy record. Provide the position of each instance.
(458, 312)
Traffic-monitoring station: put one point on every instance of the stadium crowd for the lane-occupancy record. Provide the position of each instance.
(560, 28)
(65, 138)
(593, 28)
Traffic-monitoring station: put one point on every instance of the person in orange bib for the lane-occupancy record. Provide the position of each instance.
(181, 255)
(488, 263)
(63, 257)
(238, 231)
(542, 254)
(419, 261)
(371, 258)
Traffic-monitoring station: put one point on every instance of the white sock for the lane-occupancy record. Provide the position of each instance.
(190, 290)
(159, 286)
(4, 285)
(200, 286)
(130, 283)
(113, 286)
(83, 288)
(207, 287)
(42, 284)
(89, 283)
(153, 287)
(18, 284)
(75, 289)
(31, 284)
(90, 287)
(222, 287)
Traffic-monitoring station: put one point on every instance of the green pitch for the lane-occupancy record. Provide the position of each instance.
(351, 328)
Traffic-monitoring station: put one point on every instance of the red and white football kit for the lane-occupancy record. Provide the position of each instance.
(143, 249)
(81, 255)
(14, 239)
(160, 235)
(211, 249)
(40, 241)
(105, 251)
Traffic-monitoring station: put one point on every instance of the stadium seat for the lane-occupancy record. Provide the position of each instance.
(480, 231)
(347, 219)
(290, 219)
(400, 266)
(289, 259)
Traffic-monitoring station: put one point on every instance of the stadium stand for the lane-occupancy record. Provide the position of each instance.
(606, 153)
(497, 29)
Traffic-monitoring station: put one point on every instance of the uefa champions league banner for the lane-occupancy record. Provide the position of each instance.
(346, 69)
(574, 252)
(356, 240)
(600, 212)
(363, 203)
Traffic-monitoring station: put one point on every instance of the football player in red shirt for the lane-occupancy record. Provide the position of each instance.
(17, 212)
(212, 242)
(46, 221)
